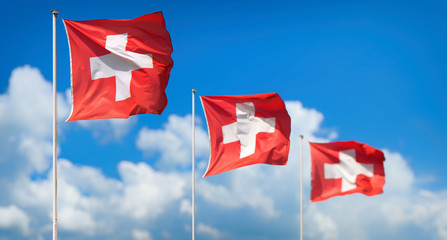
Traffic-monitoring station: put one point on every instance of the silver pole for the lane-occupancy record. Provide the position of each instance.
(193, 178)
(301, 189)
(55, 13)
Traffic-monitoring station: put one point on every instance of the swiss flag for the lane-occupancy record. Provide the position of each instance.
(246, 130)
(119, 67)
(341, 168)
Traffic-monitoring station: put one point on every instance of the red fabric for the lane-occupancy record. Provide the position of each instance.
(95, 99)
(271, 148)
(328, 153)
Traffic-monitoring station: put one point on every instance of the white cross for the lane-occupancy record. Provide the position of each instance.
(347, 170)
(246, 128)
(119, 63)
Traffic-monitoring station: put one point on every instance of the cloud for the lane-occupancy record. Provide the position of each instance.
(209, 231)
(90, 203)
(141, 235)
(143, 195)
(173, 143)
(166, 235)
(14, 217)
(26, 123)
(422, 208)
(90, 198)
(185, 207)
(399, 176)
(441, 223)
(109, 130)
(74, 219)
(307, 122)
(238, 190)
(29, 100)
(324, 226)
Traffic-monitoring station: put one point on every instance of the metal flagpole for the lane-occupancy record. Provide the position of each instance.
(193, 178)
(301, 189)
(55, 13)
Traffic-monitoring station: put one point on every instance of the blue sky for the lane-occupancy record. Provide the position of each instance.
(371, 72)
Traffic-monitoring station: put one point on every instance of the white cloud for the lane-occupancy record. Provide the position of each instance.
(166, 235)
(89, 180)
(36, 151)
(146, 192)
(37, 194)
(241, 188)
(14, 217)
(441, 224)
(399, 176)
(138, 234)
(73, 219)
(423, 208)
(186, 207)
(28, 103)
(27, 123)
(90, 203)
(217, 194)
(174, 142)
(108, 130)
(322, 226)
(307, 122)
(209, 231)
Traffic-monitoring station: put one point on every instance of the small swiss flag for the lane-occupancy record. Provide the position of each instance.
(246, 130)
(341, 168)
(119, 67)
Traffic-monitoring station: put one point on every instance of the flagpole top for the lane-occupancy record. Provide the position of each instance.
(193, 90)
(55, 12)
(301, 136)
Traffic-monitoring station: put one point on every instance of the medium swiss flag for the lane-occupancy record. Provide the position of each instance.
(246, 130)
(341, 168)
(119, 67)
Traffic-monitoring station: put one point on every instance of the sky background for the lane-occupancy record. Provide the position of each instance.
(370, 72)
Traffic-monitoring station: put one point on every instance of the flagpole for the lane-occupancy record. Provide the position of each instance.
(193, 166)
(301, 188)
(55, 13)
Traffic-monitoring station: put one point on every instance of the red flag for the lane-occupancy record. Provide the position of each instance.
(341, 168)
(119, 68)
(246, 130)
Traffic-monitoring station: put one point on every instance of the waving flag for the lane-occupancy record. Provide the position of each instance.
(341, 168)
(119, 67)
(246, 130)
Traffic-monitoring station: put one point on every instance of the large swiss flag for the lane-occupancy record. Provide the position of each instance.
(246, 130)
(340, 168)
(119, 67)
